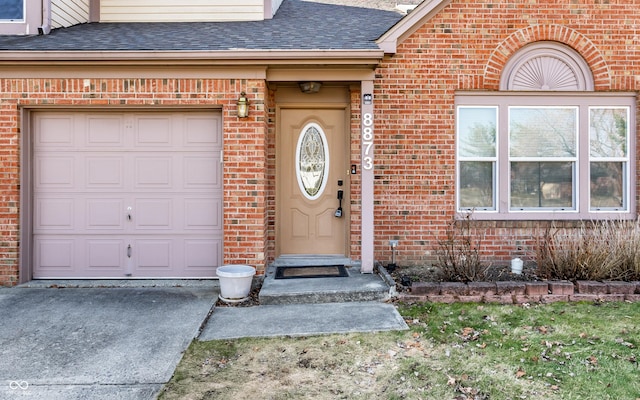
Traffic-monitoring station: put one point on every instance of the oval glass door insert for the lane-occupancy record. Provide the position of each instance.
(312, 161)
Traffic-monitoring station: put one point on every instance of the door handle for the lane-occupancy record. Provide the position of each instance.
(129, 217)
(338, 212)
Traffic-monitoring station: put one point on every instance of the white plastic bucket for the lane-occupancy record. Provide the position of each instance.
(235, 282)
(516, 266)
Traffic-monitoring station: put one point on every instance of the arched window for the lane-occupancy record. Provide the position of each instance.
(547, 66)
(546, 146)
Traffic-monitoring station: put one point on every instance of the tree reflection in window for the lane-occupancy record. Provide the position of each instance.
(312, 160)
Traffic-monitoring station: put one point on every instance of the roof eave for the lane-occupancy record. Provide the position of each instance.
(219, 57)
(390, 40)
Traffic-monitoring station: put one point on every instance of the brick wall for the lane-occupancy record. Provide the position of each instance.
(271, 174)
(245, 149)
(465, 47)
(9, 192)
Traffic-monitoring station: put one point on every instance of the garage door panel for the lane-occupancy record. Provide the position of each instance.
(153, 213)
(104, 172)
(153, 131)
(105, 214)
(94, 169)
(55, 172)
(153, 254)
(202, 130)
(203, 213)
(105, 256)
(198, 171)
(55, 257)
(153, 172)
(56, 214)
(54, 131)
(102, 131)
(200, 255)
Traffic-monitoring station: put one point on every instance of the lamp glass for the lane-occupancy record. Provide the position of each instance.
(243, 106)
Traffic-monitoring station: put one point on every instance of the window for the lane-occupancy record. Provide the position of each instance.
(477, 157)
(542, 155)
(546, 146)
(312, 161)
(12, 10)
(539, 155)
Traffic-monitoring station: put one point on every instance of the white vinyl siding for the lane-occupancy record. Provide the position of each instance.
(175, 11)
(69, 12)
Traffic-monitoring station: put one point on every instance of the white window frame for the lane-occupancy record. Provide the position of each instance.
(493, 159)
(584, 102)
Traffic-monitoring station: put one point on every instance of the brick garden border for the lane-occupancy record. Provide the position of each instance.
(515, 292)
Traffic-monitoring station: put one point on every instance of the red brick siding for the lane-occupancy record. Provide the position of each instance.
(245, 149)
(9, 192)
(465, 47)
(271, 174)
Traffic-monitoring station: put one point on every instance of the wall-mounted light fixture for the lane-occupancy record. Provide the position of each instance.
(310, 87)
(243, 106)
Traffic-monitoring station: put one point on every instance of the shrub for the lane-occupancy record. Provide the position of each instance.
(458, 254)
(596, 250)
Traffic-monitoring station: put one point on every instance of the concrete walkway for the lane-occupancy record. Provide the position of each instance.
(95, 343)
(73, 340)
(301, 320)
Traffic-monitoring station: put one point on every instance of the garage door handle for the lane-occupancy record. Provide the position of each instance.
(129, 251)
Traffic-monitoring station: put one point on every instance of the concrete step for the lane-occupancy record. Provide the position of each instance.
(357, 287)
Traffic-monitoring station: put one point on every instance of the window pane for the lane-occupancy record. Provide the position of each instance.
(477, 132)
(607, 185)
(476, 185)
(608, 132)
(542, 132)
(312, 161)
(542, 185)
(11, 9)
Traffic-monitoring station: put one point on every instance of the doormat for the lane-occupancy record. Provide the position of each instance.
(314, 271)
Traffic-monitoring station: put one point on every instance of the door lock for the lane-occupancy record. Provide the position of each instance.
(338, 212)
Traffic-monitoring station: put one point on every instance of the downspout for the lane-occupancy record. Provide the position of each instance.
(268, 9)
(94, 10)
(45, 27)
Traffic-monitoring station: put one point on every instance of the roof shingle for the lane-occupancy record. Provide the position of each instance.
(298, 25)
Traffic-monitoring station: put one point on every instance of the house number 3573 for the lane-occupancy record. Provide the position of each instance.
(367, 141)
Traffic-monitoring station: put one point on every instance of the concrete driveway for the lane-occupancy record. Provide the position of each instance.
(96, 343)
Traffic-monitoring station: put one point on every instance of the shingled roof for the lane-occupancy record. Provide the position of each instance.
(298, 25)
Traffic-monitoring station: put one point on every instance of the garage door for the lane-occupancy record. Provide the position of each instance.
(127, 194)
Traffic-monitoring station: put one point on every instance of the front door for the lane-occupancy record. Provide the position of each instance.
(312, 151)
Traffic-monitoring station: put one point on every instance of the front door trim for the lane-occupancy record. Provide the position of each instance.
(341, 106)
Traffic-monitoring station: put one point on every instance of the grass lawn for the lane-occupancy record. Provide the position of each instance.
(452, 351)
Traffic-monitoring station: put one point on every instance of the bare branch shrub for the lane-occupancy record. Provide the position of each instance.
(458, 254)
(596, 250)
